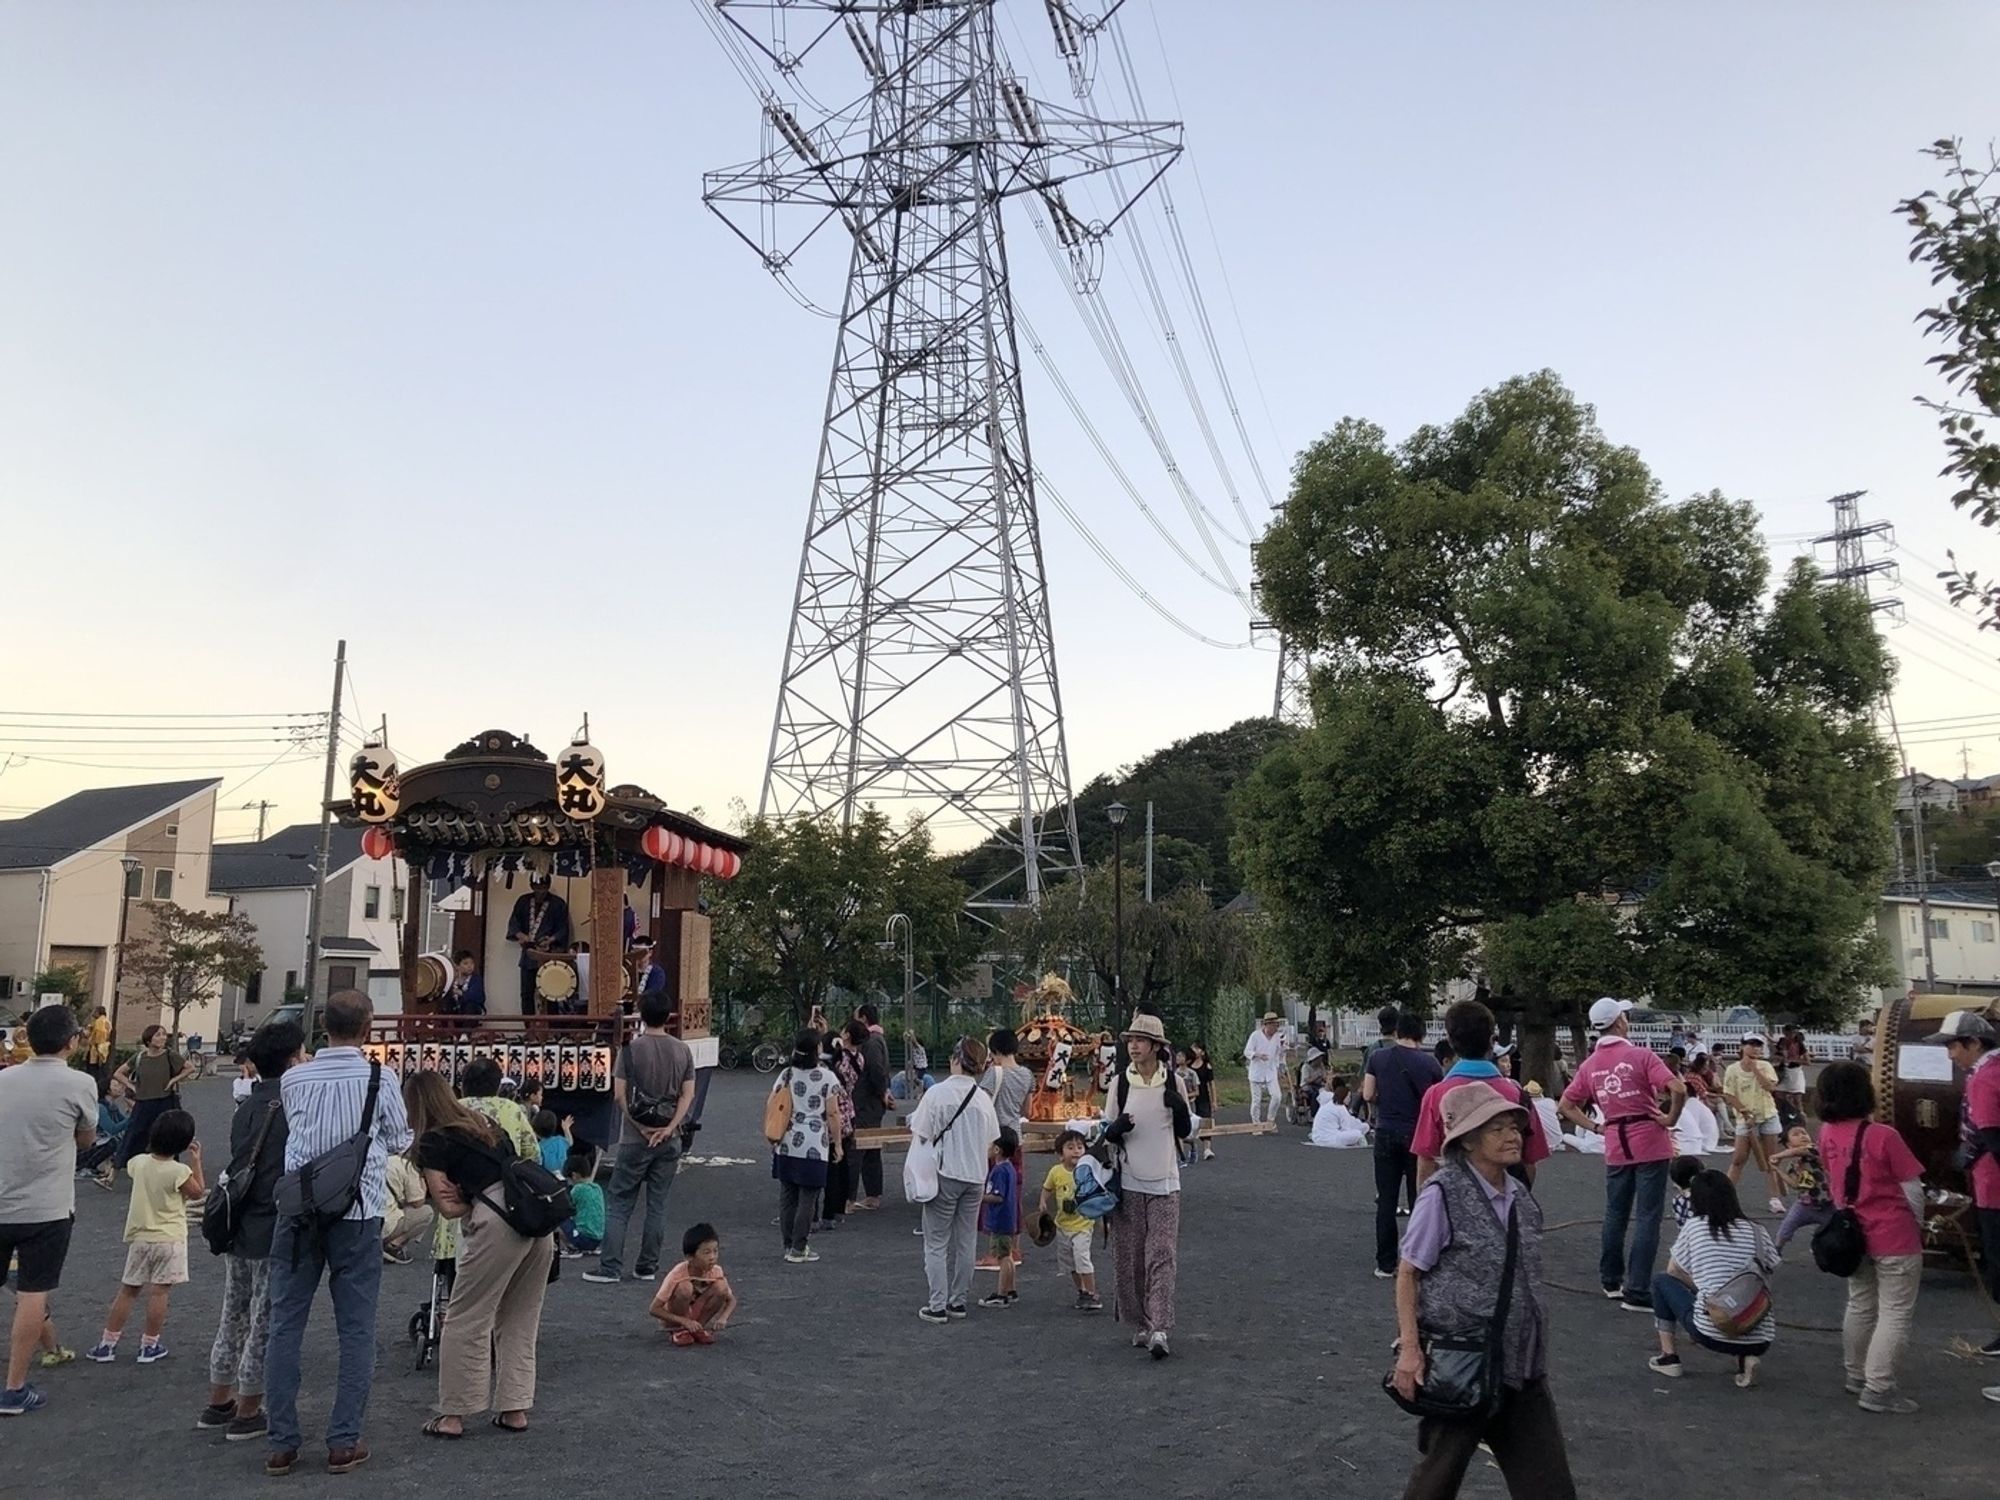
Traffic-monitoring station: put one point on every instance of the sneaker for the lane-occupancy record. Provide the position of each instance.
(1090, 1304)
(1991, 1393)
(603, 1277)
(1382, 1275)
(996, 1299)
(24, 1399)
(51, 1358)
(796, 1257)
(245, 1428)
(1668, 1365)
(1992, 1350)
(645, 1273)
(1778, 1207)
(1157, 1346)
(1402, 1213)
(932, 1315)
(395, 1255)
(681, 1338)
(1887, 1404)
(152, 1354)
(1614, 1294)
(102, 1353)
(918, 1231)
(1635, 1304)
(1141, 1340)
(1855, 1387)
(215, 1416)
(955, 1309)
(1746, 1371)
(568, 1254)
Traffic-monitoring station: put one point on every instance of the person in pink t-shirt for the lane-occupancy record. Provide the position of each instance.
(1626, 1083)
(1889, 1202)
(1468, 1030)
(1971, 1043)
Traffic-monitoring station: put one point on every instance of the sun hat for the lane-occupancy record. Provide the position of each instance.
(1148, 1027)
(1964, 1026)
(1472, 1105)
(1605, 1012)
(1044, 1232)
(1532, 1089)
(1268, 1018)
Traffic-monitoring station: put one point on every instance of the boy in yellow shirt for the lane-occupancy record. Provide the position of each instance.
(1750, 1085)
(156, 1257)
(1072, 1228)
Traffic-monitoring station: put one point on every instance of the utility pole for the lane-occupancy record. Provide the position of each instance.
(315, 922)
(1149, 853)
(920, 666)
(260, 808)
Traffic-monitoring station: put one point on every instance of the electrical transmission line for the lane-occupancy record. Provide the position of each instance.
(920, 668)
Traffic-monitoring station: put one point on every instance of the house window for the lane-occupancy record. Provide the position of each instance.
(253, 992)
(1982, 932)
(163, 883)
(396, 904)
(173, 830)
(371, 902)
(291, 982)
(135, 883)
(1940, 927)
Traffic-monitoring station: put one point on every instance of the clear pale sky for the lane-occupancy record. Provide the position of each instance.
(405, 322)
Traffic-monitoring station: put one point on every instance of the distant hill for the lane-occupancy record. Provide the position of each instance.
(1189, 784)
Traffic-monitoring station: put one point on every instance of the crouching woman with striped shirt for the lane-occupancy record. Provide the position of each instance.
(1716, 1244)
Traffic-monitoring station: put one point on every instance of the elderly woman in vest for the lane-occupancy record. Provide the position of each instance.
(1147, 1119)
(1454, 1260)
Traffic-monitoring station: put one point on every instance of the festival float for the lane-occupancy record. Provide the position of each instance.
(600, 871)
(1919, 1092)
(1068, 1061)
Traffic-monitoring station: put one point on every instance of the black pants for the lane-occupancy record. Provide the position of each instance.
(133, 1142)
(839, 1182)
(1989, 1245)
(529, 998)
(1395, 1172)
(1527, 1442)
(797, 1207)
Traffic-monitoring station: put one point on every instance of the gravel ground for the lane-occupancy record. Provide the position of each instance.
(827, 1378)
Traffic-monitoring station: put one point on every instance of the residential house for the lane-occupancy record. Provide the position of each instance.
(1933, 793)
(271, 882)
(1964, 939)
(76, 872)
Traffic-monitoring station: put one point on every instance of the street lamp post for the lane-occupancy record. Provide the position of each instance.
(131, 867)
(909, 994)
(1116, 814)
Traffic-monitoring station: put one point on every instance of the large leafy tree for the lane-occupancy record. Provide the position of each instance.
(188, 956)
(1955, 231)
(807, 914)
(1561, 741)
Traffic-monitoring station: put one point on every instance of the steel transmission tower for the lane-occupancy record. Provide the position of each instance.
(920, 669)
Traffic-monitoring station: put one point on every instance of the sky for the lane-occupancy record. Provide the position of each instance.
(405, 323)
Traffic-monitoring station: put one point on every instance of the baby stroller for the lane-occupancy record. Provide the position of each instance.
(427, 1322)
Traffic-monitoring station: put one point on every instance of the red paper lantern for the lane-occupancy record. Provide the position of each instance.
(691, 854)
(711, 859)
(377, 842)
(677, 848)
(731, 865)
(652, 843)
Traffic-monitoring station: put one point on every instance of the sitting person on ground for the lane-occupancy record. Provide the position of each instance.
(99, 1161)
(1800, 1169)
(695, 1300)
(552, 1137)
(409, 1210)
(1334, 1123)
(1717, 1245)
(583, 1231)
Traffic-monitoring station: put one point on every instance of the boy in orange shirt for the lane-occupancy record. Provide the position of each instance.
(695, 1299)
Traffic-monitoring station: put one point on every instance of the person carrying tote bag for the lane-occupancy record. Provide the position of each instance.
(1472, 1364)
(954, 1125)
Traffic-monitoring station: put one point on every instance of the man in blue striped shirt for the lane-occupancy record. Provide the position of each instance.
(324, 1101)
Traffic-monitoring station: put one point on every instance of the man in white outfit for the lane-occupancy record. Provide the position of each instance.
(1265, 1054)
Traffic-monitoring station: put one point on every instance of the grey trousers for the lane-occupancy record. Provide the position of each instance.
(236, 1358)
(951, 1241)
(797, 1207)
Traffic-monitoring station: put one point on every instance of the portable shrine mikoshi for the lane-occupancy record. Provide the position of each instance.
(1919, 1092)
(1067, 1059)
(582, 874)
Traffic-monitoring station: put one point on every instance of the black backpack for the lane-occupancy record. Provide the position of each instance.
(1839, 1246)
(533, 1200)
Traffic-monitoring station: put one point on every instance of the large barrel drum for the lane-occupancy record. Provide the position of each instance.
(1916, 1088)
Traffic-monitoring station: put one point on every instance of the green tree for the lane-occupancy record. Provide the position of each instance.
(188, 957)
(68, 980)
(1956, 233)
(806, 914)
(1180, 949)
(1542, 684)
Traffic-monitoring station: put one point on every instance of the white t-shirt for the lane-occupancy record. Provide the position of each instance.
(1264, 1054)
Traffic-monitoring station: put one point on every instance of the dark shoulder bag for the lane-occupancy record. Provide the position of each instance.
(533, 1201)
(222, 1209)
(1839, 1246)
(1463, 1372)
(323, 1190)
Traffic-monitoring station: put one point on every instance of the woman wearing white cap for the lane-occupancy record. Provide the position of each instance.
(1148, 1119)
(1471, 1265)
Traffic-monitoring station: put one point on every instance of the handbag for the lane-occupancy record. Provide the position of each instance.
(1839, 1245)
(1463, 1373)
(222, 1210)
(778, 1109)
(1739, 1304)
(325, 1188)
(924, 1158)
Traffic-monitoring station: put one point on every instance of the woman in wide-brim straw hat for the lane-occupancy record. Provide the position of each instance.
(1450, 1282)
(1148, 1119)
